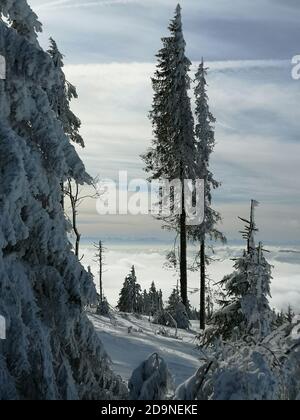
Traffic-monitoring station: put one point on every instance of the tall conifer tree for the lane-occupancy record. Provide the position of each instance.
(205, 142)
(173, 151)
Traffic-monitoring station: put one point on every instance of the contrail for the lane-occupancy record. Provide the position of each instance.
(66, 4)
(52, 4)
(100, 3)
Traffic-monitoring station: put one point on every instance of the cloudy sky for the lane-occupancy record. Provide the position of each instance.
(110, 49)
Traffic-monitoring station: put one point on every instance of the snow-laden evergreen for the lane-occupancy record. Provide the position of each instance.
(245, 308)
(240, 370)
(173, 150)
(247, 356)
(205, 143)
(154, 299)
(151, 381)
(133, 300)
(130, 299)
(21, 17)
(61, 94)
(174, 311)
(51, 350)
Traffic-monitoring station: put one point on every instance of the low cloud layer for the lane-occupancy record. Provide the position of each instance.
(149, 261)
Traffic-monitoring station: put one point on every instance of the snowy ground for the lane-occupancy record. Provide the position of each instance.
(127, 351)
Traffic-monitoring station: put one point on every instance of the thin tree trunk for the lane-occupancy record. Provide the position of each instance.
(202, 287)
(77, 235)
(183, 252)
(74, 201)
(101, 270)
(76, 231)
(62, 200)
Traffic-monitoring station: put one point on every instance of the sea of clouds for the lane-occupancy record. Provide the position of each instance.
(149, 261)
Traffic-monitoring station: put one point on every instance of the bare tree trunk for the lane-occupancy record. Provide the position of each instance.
(74, 201)
(72, 191)
(202, 287)
(101, 270)
(77, 234)
(62, 199)
(183, 252)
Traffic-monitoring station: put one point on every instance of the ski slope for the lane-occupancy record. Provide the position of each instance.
(128, 349)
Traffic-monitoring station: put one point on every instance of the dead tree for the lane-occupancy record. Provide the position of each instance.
(100, 250)
(73, 192)
(250, 228)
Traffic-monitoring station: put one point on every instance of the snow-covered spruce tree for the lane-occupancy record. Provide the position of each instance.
(177, 310)
(21, 18)
(246, 310)
(130, 299)
(155, 299)
(173, 151)
(151, 381)
(290, 315)
(125, 303)
(173, 300)
(205, 143)
(61, 94)
(146, 304)
(51, 351)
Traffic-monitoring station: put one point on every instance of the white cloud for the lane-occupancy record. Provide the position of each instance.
(257, 151)
(259, 9)
(215, 29)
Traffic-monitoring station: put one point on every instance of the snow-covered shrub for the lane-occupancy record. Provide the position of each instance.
(175, 311)
(151, 381)
(163, 332)
(239, 373)
(132, 330)
(241, 370)
(181, 316)
(191, 388)
(103, 308)
(167, 333)
(52, 350)
(163, 318)
(174, 319)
